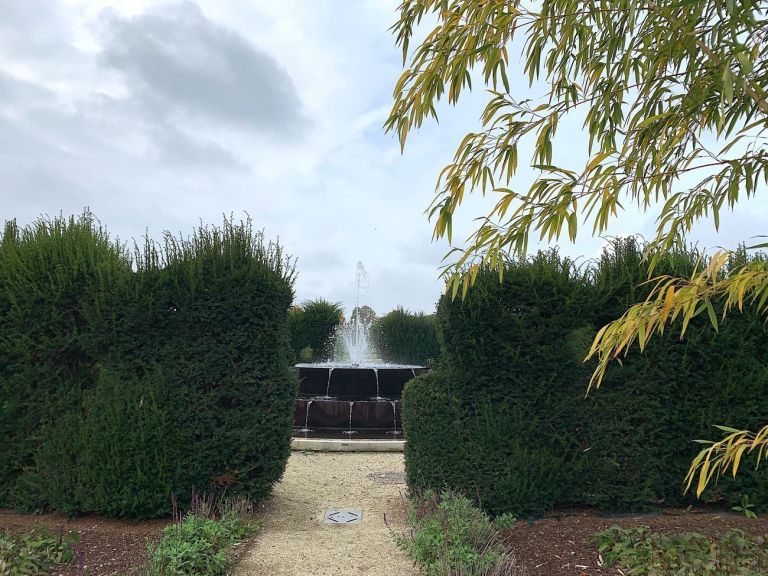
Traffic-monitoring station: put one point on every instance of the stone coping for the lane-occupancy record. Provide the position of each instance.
(340, 445)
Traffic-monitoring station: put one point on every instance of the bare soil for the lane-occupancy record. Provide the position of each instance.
(560, 546)
(107, 547)
(294, 541)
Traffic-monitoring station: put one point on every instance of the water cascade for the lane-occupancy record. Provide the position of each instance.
(349, 430)
(306, 419)
(394, 431)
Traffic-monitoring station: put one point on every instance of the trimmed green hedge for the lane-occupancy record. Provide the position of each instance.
(406, 338)
(149, 381)
(49, 273)
(505, 419)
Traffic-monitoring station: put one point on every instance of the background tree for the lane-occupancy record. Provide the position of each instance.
(363, 314)
(312, 325)
(673, 101)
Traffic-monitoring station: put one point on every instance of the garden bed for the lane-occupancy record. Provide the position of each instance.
(109, 547)
(561, 545)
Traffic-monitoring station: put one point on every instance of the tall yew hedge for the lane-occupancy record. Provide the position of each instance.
(506, 418)
(127, 378)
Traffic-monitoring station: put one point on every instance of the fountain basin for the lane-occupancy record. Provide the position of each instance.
(353, 382)
(338, 400)
(335, 414)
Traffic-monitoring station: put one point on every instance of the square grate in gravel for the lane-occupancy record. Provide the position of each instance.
(343, 516)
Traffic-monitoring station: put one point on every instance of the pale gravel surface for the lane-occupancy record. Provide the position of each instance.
(295, 542)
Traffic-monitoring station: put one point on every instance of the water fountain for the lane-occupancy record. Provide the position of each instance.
(356, 394)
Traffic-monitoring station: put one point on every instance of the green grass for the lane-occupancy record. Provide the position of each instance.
(640, 552)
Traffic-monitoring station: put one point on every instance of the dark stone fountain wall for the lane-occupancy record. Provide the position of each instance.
(335, 414)
(349, 399)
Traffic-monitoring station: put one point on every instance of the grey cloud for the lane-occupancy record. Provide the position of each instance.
(15, 91)
(175, 148)
(37, 24)
(321, 260)
(37, 33)
(418, 249)
(27, 187)
(181, 62)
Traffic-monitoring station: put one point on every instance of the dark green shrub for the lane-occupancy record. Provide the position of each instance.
(182, 380)
(406, 338)
(506, 421)
(312, 326)
(128, 452)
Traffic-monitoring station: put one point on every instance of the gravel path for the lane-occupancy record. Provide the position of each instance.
(294, 541)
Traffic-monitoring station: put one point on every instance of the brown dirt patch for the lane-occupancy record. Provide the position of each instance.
(108, 547)
(560, 546)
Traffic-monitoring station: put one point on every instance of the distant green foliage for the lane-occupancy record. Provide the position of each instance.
(449, 536)
(312, 326)
(640, 552)
(127, 378)
(198, 545)
(34, 553)
(505, 418)
(406, 337)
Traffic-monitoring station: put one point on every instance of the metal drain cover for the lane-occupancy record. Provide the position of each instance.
(343, 516)
(387, 477)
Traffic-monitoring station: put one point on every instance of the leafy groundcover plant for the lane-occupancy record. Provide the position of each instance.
(450, 537)
(639, 552)
(34, 553)
(200, 543)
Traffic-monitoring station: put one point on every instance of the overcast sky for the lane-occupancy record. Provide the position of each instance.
(159, 114)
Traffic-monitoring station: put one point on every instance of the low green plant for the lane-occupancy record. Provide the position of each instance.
(745, 508)
(451, 537)
(199, 544)
(34, 553)
(505, 521)
(639, 552)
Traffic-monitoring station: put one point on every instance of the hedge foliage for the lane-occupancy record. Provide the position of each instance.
(312, 327)
(126, 377)
(506, 418)
(406, 337)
